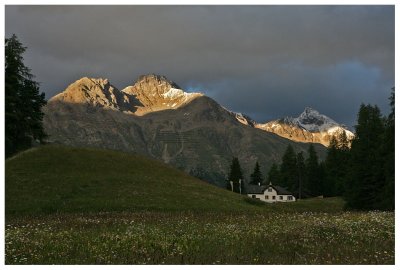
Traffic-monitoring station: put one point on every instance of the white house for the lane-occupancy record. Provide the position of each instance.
(270, 193)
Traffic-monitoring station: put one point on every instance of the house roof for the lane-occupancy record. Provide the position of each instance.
(281, 190)
(255, 189)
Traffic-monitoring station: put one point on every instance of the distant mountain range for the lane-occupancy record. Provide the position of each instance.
(190, 131)
(309, 126)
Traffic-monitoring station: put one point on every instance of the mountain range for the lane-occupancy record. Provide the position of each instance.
(190, 131)
(309, 126)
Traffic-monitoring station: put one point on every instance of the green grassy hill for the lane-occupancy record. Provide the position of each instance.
(85, 206)
(53, 179)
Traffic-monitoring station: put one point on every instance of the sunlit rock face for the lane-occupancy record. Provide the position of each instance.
(157, 93)
(150, 93)
(98, 93)
(310, 126)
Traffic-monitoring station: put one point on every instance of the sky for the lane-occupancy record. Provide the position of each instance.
(264, 61)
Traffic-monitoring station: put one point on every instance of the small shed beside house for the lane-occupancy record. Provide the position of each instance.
(270, 193)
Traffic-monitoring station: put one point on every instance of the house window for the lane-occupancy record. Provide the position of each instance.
(290, 198)
(273, 197)
(266, 197)
(270, 190)
(280, 197)
(253, 196)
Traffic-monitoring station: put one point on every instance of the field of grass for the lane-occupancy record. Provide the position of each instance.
(104, 213)
(202, 238)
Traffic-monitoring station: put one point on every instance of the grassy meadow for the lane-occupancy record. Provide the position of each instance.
(85, 206)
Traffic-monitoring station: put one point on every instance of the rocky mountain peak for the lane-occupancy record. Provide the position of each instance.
(311, 120)
(157, 93)
(159, 80)
(86, 83)
(308, 111)
(149, 93)
(98, 92)
(151, 85)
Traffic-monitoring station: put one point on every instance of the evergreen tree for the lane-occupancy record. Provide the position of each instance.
(322, 177)
(313, 177)
(23, 102)
(256, 176)
(336, 167)
(235, 175)
(366, 177)
(274, 175)
(342, 163)
(386, 198)
(343, 142)
(288, 169)
(300, 165)
(332, 169)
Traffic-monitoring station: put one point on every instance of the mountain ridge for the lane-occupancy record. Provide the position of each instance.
(152, 93)
(199, 136)
(148, 94)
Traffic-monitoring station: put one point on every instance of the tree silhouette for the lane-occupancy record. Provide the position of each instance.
(235, 176)
(366, 177)
(256, 176)
(23, 102)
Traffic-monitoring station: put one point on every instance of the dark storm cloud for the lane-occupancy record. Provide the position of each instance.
(265, 61)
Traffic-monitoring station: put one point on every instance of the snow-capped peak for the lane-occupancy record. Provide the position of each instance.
(156, 93)
(309, 126)
(314, 121)
(308, 111)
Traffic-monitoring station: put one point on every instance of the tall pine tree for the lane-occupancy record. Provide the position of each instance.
(332, 169)
(23, 102)
(386, 199)
(336, 166)
(274, 174)
(256, 176)
(235, 174)
(313, 176)
(365, 179)
(288, 169)
(301, 167)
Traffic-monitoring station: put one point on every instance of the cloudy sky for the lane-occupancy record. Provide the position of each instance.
(264, 61)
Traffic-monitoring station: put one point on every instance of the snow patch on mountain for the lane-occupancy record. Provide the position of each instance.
(338, 130)
(175, 93)
(242, 118)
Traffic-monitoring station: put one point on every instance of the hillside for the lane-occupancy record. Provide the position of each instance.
(53, 179)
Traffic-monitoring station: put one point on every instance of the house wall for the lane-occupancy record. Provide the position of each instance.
(268, 196)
